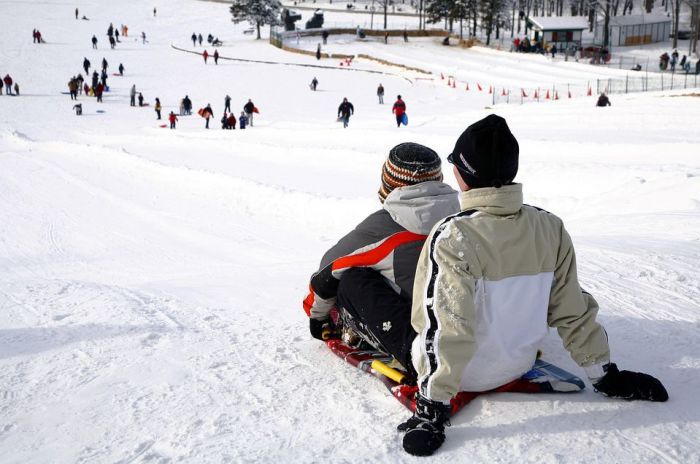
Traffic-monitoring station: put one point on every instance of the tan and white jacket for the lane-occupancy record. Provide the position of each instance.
(490, 281)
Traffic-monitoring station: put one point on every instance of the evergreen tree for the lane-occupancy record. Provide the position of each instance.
(257, 12)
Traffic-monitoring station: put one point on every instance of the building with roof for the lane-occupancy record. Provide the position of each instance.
(634, 29)
(562, 31)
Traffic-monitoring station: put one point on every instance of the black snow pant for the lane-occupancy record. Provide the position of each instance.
(378, 309)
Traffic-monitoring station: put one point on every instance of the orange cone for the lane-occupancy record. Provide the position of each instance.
(490, 89)
(536, 95)
(556, 95)
(547, 96)
(454, 84)
(467, 86)
(590, 92)
(478, 86)
(503, 93)
(523, 93)
(442, 76)
(569, 93)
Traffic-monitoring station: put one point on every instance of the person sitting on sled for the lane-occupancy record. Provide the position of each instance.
(489, 282)
(372, 268)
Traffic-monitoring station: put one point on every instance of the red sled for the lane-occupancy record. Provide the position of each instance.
(163, 125)
(542, 378)
(255, 110)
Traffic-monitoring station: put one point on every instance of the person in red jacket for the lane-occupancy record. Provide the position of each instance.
(399, 109)
(8, 84)
(205, 54)
(173, 119)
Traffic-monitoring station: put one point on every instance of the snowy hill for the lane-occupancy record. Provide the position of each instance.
(151, 279)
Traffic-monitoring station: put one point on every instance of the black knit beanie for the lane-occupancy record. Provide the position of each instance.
(486, 154)
(408, 164)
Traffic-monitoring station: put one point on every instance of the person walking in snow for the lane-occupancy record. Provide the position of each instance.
(121, 69)
(314, 84)
(132, 95)
(318, 52)
(173, 119)
(94, 42)
(112, 42)
(207, 114)
(105, 65)
(95, 79)
(227, 104)
(205, 55)
(76, 13)
(249, 109)
(103, 77)
(377, 293)
(199, 39)
(216, 57)
(79, 80)
(116, 35)
(187, 103)
(380, 94)
(99, 90)
(73, 88)
(143, 38)
(140, 98)
(86, 66)
(16, 89)
(345, 110)
(489, 282)
(194, 39)
(157, 108)
(399, 109)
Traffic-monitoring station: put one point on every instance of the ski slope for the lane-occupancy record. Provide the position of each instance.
(151, 280)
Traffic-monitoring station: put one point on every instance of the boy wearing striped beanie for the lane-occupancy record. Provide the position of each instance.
(368, 275)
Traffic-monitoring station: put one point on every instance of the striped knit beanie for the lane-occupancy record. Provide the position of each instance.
(409, 164)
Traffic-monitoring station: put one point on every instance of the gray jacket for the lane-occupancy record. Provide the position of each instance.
(389, 241)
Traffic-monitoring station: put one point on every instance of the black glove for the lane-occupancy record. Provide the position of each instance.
(317, 327)
(425, 431)
(630, 385)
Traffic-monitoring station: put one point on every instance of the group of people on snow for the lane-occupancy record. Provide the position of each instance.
(347, 109)
(36, 37)
(667, 62)
(211, 40)
(460, 287)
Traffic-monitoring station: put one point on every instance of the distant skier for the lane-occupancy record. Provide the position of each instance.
(157, 108)
(173, 119)
(216, 56)
(399, 109)
(249, 109)
(132, 95)
(380, 94)
(207, 114)
(345, 110)
(231, 121)
(73, 88)
(314, 84)
(76, 13)
(143, 37)
(227, 104)
(154, 12)
(86, 66)
(94, 42)
(121, 69)
(603, 100)
(205, 55)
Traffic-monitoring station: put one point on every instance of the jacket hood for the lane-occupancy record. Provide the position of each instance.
(418, 207)
(502, 201)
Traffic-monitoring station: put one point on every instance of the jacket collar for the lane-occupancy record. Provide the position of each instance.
(502, 201)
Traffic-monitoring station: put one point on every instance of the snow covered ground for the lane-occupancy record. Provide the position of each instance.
(151, 280)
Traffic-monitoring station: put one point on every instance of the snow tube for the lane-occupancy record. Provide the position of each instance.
(404, 119)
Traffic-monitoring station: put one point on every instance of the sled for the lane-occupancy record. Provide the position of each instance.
(100, 111)
(255, 110)
(200, 112)
(116, 74)
(163, 125)
(544, 377)
(404, 119)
